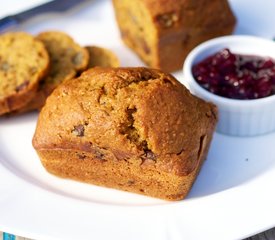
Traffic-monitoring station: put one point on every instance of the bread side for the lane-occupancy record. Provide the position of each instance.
(163, 32)
(134, 129)
(24, 61)
(137, 29)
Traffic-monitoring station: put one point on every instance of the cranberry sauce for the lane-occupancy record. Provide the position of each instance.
(236, 76)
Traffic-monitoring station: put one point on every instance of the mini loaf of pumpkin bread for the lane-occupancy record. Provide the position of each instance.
(134, 129)
(162, 32)
(24, 61)
(67, 59)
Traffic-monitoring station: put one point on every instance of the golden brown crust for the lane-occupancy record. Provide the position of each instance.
(162, 32)
(101, 57)
(126, 125)
(23, 62)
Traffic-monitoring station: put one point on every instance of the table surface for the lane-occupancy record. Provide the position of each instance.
(267, 235)
(13, 6)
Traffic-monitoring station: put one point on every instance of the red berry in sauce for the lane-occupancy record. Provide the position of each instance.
(236, 76)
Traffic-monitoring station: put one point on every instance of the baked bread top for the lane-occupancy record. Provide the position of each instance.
(101, 57)
(135, 113)
(186, 14)
(23, 62)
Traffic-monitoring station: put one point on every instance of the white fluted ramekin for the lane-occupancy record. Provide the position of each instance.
(236, 117)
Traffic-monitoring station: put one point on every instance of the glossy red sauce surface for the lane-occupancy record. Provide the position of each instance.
(236, 76)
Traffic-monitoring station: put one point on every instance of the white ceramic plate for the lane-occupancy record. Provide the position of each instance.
(233, 196)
